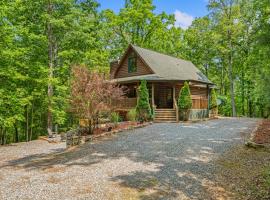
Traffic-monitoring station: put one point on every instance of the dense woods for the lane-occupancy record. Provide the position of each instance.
(41, 40)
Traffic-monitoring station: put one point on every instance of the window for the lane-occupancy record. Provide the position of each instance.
(132, 65)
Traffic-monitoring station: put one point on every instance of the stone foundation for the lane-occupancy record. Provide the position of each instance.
(198, 114)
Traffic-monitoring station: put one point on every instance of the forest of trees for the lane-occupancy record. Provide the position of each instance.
(40, 40)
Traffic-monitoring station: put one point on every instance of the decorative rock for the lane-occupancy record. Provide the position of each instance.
(63, 136)
(73, 137)
(254, 145)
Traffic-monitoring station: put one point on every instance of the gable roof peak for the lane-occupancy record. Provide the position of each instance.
(169, 67)
(157, 52)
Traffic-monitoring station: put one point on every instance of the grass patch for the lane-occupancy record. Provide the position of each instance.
(266, 176)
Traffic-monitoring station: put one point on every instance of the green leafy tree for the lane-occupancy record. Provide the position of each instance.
(229, 28)
(39, 41)
(137, 23)
(201, 44)
(143, 107)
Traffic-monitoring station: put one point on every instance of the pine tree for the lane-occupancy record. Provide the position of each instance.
(143, 107)
(185, 101)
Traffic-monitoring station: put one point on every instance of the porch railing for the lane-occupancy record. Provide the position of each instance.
(126, 103)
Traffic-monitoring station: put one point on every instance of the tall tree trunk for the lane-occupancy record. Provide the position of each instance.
(206, 69)
(16, 133)
(1, 135)
(222, 81)
(27, 125)
(250, 106)
(32, 121)
(231, 76)
(51, 66)
(243, 92)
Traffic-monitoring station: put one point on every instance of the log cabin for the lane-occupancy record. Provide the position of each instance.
(165, 75)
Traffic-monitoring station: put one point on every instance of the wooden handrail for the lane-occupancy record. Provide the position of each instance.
(154, 107)
(176, 110)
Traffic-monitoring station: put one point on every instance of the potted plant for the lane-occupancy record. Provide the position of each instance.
(184, 102)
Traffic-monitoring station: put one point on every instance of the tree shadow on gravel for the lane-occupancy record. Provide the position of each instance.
(177, 163)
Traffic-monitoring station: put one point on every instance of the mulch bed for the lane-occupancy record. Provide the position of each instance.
(262, 134)
(110, 128)
(119, 126)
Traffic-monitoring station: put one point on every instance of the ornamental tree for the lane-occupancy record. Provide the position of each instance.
(92, 94)
(143, 107)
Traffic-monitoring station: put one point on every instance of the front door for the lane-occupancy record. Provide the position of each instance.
(163, 96)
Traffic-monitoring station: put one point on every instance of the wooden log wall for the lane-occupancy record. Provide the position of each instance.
(198, 96)
(113, 68)
(142, 69)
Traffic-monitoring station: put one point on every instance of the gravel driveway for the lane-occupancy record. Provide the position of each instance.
(161, 161)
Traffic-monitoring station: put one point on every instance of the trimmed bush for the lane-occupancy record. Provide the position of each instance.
(131, 115)
(184, 101)
(213, 100)
(143, 108)
(225, 108)
(115, 118)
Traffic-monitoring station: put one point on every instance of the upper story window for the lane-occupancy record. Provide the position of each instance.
(132, 65)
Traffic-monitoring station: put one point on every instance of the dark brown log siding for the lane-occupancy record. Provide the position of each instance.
(113, 68)
(142, 69)
(198, 92)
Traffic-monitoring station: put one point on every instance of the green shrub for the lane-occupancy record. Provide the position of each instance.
(115, 118)
(184, 102)
(184, 99)
(131, 115)
(213, 100)
(143, 108)
(225, 108)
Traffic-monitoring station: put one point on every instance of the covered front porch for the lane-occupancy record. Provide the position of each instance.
(163, 98)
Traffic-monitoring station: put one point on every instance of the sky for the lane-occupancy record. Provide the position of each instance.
(185, 11)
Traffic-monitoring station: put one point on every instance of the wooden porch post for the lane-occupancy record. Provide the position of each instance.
(175, 106)
(174, 95)
(137, 92)
(153, 95)
(208, 99)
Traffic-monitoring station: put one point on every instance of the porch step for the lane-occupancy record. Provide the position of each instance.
(165, 115)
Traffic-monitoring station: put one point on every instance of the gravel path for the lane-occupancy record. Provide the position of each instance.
(161, 161)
